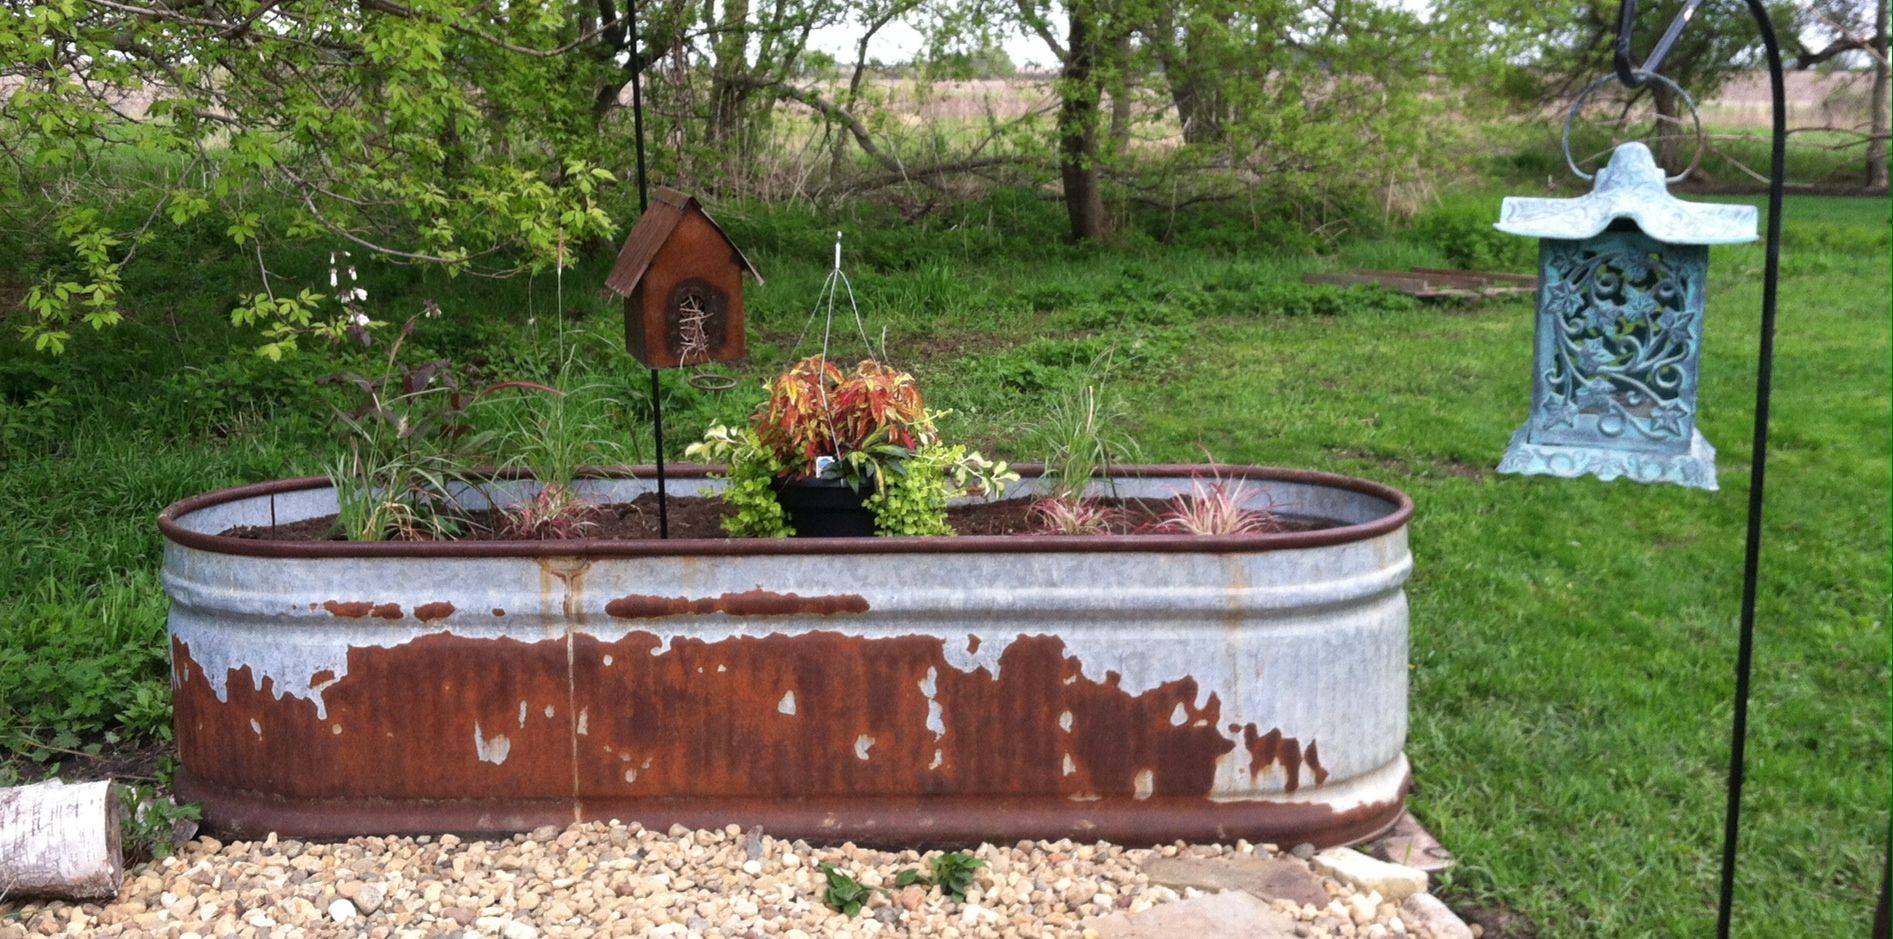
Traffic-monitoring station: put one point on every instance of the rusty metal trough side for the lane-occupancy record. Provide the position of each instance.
(920, 690)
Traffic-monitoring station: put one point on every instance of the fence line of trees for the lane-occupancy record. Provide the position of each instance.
(489, 139)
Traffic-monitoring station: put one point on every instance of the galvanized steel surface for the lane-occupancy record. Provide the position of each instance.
(897, 692)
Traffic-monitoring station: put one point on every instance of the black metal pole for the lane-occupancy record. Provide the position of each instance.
(1764, 383)
(1758, 470)
(657, 431)
(644, 200)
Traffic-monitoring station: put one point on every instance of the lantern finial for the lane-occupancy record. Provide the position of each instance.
(1620, 310)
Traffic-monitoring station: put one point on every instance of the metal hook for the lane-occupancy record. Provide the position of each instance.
(1642, 78)
(1631, 73)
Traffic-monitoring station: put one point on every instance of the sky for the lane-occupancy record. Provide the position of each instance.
(898, 41)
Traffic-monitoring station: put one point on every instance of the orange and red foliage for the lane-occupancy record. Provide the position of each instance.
(815, 410)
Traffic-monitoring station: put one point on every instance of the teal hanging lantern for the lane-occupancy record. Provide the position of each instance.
(1621, 275)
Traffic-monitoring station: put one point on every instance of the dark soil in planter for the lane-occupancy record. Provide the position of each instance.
(702, 517)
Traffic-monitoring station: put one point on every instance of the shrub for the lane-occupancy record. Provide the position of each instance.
(1466, 238)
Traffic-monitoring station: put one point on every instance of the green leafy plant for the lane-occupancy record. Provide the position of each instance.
(915, 492)
(953, 873)
(149, 822)
(843, 893)
(869, 428)
(749, 481)
(553, 433)
(396, 475)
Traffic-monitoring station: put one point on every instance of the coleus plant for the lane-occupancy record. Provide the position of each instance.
(869, 428)
(857, 420)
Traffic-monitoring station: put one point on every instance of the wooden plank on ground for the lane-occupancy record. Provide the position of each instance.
(1432, 283)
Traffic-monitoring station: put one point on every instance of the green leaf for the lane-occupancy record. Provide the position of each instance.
(954, 873)
(843, 893)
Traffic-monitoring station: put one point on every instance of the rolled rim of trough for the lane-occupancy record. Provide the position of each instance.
(168, 523)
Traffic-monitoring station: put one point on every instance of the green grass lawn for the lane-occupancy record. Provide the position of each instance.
(1573, 641)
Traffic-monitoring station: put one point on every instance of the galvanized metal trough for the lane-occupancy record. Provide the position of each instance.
(885, 690)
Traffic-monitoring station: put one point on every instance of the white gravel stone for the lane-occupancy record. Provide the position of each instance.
(608, 880)
(341, 911)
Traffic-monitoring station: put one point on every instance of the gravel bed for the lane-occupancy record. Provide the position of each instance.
(618, 880)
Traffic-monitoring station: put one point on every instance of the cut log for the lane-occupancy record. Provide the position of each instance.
(60, 841)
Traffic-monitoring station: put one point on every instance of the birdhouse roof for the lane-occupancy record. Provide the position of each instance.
(1632, 187)
(668, 208)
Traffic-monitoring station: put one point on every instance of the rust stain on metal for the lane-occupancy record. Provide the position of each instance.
(1274, 748)
(746, 603)
(356, 609)
(410, 712)
(680, 728)
(709, 719)
(1314, 763)
(429, 612)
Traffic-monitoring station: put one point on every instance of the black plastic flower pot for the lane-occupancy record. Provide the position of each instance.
(824, 508)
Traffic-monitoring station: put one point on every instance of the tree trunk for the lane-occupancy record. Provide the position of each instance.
(1078, 126)
(732, 63)
(1877, 147)
(1121, 97)
(60, 841)
(1199, 106)
(1671, 129)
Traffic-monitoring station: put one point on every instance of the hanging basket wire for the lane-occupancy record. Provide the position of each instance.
(836, 282)
(833, 286)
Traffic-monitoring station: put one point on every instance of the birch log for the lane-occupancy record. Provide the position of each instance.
(60, 841)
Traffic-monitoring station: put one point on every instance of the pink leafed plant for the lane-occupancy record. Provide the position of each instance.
(1215, 506)
(554, 513)
(1073, 516)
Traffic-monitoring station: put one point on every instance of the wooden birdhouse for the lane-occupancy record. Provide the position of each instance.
(682, 280)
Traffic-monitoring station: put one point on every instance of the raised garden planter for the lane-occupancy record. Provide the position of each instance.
(893, 690)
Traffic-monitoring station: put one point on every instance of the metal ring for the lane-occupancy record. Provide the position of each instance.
(1577, 105)
(712, 381)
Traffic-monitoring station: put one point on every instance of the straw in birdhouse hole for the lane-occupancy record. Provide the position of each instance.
(693, 340)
